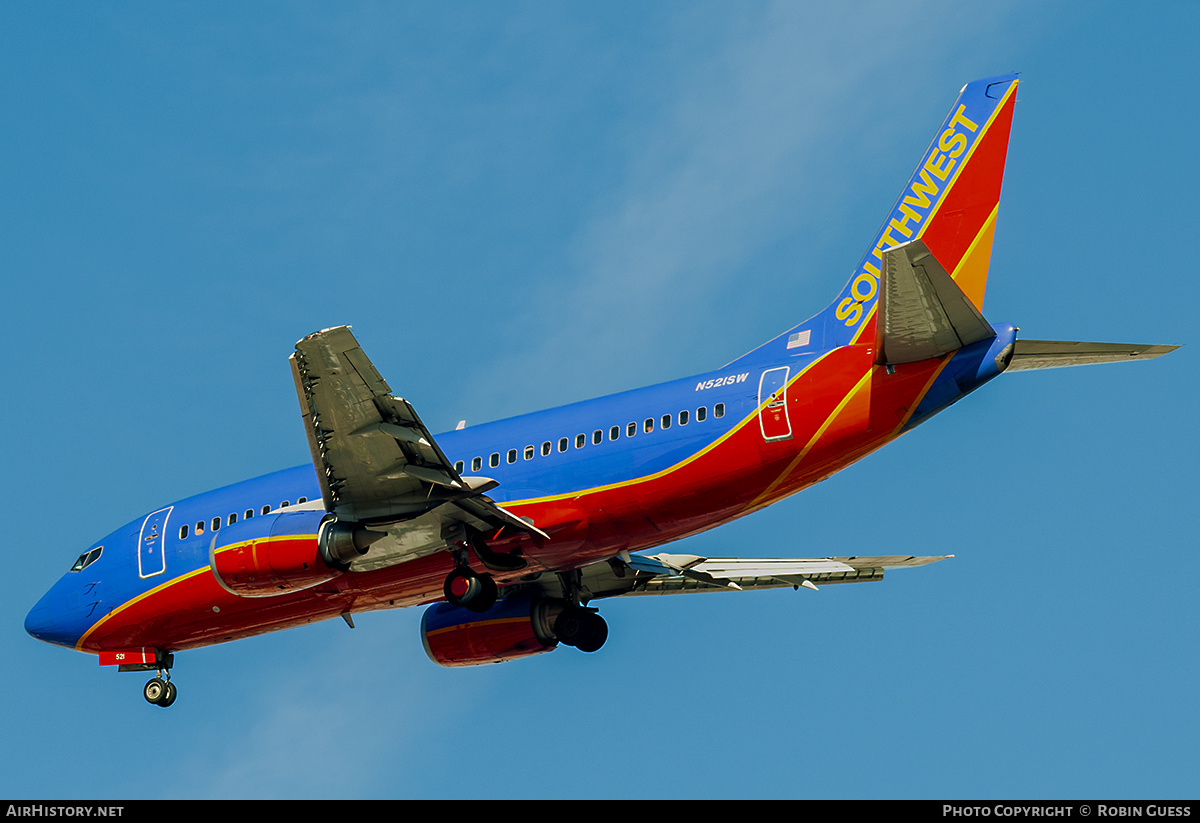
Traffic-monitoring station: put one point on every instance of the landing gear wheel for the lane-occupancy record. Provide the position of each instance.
(468, 590)
(583, 629)
(172, 692)
(156, 691)
(487, 597)
(597, 634)
(568, 626)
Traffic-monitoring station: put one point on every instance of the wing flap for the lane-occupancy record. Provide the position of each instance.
(682, 573)
(377, 463)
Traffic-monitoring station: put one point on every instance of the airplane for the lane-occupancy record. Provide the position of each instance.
(509, 532)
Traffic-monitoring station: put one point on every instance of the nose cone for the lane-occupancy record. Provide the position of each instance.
(58, 618)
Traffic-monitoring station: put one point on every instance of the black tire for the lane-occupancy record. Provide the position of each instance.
(461, 587)
(468, 590)
(170, 696)
(570, 626)
(155, 691)
(595, 633)
(488, 592)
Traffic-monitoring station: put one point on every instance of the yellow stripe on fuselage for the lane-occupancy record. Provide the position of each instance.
(130, 603)
(670, 469)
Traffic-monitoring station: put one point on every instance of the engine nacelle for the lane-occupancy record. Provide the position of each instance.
(518, 626)
(272, 554)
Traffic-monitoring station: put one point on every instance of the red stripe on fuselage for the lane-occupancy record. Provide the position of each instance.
(740, 474)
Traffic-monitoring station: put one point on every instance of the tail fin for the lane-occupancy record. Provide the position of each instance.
(949, 203)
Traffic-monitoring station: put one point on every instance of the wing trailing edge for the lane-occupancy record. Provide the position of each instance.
(686, 573)
(379, 466)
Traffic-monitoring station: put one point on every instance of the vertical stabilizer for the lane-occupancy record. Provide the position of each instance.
(949, 203)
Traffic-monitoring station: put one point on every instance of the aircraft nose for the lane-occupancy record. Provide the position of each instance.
(53, 620)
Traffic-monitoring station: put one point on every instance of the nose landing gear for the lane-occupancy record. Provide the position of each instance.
(160, 692)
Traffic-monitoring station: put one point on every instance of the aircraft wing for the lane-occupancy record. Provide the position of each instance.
(1053, 354)
(377, 463)
(685, 573)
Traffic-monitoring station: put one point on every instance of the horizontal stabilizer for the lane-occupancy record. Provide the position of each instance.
(922, 312)
(1053, 354)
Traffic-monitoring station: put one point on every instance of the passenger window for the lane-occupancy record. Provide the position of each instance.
(232, 519)
(631, 430)
(301, 500)
(216, 523)
(547, 448)
(284, 504)
(648, 426)
(683, 418)
(266, 509)
(580, 440)
(562, 444)
(512, 455)
(701, 413)
(614, 433)
(458, 467)
(476, 464)
(666, 421)
(494, 460)
(529, 452)
(200, 527)
(249, 514)
(719, 410)
(183, 531)
(597, 437)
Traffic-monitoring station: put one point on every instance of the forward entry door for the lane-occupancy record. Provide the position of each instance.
(151, 558)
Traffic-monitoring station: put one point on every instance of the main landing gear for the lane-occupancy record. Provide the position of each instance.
(470, 590)
(578, 625)
(581, 627)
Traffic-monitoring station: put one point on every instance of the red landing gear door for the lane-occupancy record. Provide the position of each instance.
(772, 405)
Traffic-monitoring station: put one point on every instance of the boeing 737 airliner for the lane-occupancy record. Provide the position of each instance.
(509, 531)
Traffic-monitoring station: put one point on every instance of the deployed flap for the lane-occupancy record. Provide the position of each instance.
(681, 573)
(1053, 354)
(375, 460)
(923, 313)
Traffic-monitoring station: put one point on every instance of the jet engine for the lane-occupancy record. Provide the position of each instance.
(285, 551)
(518, 626)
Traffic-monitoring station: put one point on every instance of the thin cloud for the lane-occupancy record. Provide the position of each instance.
(735, 161)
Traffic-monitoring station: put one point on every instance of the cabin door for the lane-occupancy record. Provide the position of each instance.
(772, 405)
(151, 558)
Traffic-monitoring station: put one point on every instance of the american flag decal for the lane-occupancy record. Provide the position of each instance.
(800, 338)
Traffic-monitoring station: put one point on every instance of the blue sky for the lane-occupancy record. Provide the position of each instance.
(527, 204)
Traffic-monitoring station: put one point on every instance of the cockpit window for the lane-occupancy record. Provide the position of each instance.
(87, 558)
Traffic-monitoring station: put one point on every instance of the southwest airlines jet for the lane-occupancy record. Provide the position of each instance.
(510, 531)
